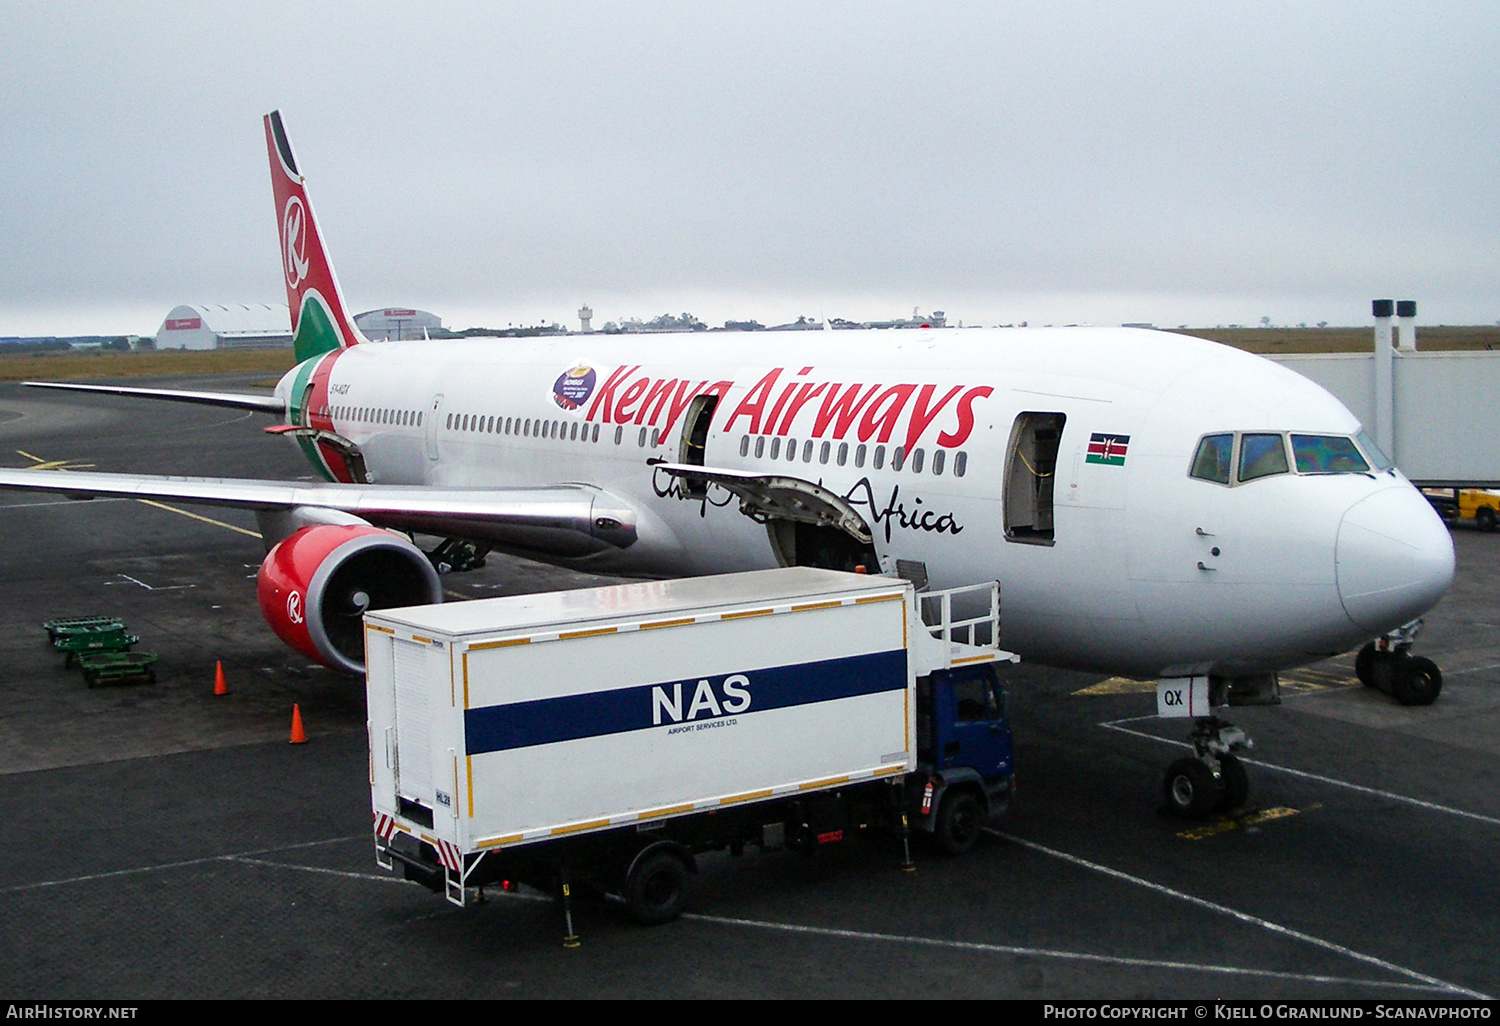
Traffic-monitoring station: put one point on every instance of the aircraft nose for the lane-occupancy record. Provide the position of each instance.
(1394, 559)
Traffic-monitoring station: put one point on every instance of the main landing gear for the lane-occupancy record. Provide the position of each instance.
(457, 556)
(1387, 664)
(1214, 778)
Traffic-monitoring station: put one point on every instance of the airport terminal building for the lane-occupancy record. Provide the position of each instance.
(226, 326)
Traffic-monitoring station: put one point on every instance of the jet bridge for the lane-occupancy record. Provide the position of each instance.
(1442, 409)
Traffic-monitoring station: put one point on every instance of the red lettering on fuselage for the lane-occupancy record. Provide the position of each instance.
(606, 393)
(870, 412)
(885, 422)
(754, 402)
(634, 392)
(805, 394)
(841, 410)
(965, 417)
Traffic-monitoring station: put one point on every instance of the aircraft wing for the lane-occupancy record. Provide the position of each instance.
(564, 519)
(234, 400)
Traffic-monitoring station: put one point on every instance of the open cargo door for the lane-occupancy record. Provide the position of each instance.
(808, 524)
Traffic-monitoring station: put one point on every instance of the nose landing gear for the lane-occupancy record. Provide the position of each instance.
(1387, 664)
(1214, 778)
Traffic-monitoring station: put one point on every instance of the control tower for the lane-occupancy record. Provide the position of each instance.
(586, 314)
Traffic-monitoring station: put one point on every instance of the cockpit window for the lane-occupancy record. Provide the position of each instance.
(1262, 456)
(1377, 455)
(1327, 454)
(1214, 458)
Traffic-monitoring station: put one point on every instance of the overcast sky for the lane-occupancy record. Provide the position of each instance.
(496, 163)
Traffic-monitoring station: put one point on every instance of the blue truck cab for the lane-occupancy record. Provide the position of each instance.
(965, 755)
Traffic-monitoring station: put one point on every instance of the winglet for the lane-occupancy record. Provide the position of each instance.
(320, 318)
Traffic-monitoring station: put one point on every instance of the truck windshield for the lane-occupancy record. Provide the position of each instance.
(1327, 454)
(975, 699)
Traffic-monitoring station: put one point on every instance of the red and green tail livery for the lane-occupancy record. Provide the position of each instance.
(320, 319)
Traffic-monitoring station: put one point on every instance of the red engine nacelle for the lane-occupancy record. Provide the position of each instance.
(317, 583)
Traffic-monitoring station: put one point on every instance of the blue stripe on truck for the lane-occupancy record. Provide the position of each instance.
(677, 703)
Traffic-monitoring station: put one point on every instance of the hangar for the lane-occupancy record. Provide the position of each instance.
(395, 323)
(226, 326)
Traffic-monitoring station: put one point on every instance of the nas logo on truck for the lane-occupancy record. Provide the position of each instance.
(707, 700)
(294, 607)
(678, 706)
(575, 386)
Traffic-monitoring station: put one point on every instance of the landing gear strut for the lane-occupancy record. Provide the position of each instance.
(1387, 664)
(1212, 779)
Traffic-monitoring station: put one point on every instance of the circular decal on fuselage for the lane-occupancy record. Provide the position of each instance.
(574, 387)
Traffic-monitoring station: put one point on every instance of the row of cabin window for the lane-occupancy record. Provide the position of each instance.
(374, 415)
(840, 456)
(525, 428)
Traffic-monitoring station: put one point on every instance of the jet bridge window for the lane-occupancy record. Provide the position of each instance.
(1262, 455)
(1029, 477)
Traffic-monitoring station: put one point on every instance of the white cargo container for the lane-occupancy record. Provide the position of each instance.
(613, 718)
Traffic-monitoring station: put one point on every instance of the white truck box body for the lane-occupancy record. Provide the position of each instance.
(522, 719)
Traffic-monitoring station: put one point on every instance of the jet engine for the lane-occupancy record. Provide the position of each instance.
(316, 584)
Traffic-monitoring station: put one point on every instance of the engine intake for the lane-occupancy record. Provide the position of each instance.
(317, 583)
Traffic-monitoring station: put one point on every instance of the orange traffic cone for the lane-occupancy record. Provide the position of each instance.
(220, 688)
(299, 737)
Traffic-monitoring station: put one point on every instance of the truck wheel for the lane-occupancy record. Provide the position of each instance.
(958, 823)
(656, 888)
(1485, 518)
(1234, 783)
(1417, 681)
(1364, 665)
(1190, 789)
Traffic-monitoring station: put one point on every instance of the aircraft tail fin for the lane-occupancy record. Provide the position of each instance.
(320, 318)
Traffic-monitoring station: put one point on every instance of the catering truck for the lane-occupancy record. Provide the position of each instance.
(606, 737)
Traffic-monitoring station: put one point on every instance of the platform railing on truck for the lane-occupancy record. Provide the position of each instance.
(981, 631)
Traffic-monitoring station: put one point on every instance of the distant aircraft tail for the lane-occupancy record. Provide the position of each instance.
(320, 319)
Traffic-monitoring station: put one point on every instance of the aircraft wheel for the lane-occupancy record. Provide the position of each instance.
(1234, 782)
(1485, 518)
(1364, 665)
(1190, 789)
(958, 823)
(1417, 681)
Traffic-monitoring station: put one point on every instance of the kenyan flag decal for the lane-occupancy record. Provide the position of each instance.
(1107, 449)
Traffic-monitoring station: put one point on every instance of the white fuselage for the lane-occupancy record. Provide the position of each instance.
(1140, 568)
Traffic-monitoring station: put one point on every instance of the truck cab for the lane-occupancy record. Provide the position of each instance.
(965, 752)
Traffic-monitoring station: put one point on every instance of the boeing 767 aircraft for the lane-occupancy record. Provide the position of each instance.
(1152, 504)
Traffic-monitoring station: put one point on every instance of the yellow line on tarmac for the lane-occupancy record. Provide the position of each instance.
(206, 520)
(1118, 686)
(58, 464)
(1224, 824)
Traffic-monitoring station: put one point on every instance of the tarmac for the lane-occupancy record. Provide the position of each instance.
(163, 842)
